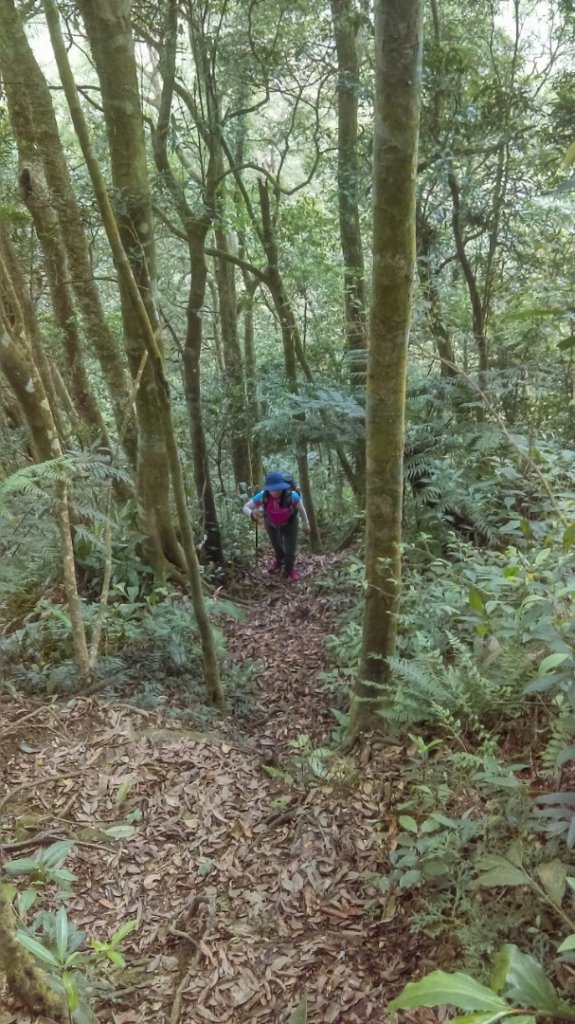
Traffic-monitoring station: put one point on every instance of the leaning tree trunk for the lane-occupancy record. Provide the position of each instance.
(152, 351)
(34, 123)
(396, 126)
(18, 367)
(109, 33)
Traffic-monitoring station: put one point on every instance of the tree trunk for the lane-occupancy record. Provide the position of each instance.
(291, 340)
(346, 21)
(32, 117)
(430, 288)
(24, 978)
(234, 371)
(154, 356)
(109, 33)
(196, 227)
(396, 126)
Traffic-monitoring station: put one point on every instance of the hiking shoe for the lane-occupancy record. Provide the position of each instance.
(293, 574)
(274, 566)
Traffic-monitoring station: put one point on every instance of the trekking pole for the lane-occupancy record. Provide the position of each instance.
(257, 544)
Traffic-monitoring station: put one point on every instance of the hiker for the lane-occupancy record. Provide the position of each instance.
(279, 505)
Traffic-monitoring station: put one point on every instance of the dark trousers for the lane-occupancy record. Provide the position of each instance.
(284, 541)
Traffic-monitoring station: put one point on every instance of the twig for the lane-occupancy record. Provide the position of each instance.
(31, 782)
(16, 725)
(49, 837)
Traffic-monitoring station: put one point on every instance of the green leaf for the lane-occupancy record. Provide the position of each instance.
(497, 870)
(408, 823)
(26, 900)
(569, 537)
(53, 855)
(115, 957)
(20, 867)
(409, 878)
(439, 988)
(36, 949)
(528, 982)
(476, 602)
(552, 660)
(123, 931)
(299, 1015)
(62, 932)
(567, 944)
(553, 877)
(72, 991)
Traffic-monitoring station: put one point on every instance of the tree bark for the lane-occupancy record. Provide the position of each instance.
(291, 340)
(109, 33)
(154, 356)
(430, 289)
(346, 21)
(398, 44)
(33, 117)
(195, 227)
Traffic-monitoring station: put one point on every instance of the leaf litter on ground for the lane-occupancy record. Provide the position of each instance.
(164, 816)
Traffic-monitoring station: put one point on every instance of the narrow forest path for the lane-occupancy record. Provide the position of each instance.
(272, 874)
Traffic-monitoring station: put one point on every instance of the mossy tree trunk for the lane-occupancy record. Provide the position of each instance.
(19, 368)
(195, 226)
(398, 44)
(347, 20)
(109, 34)
(34, 123)
(153, 353)
(24, 978)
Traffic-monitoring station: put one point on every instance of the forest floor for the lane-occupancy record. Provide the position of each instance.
(250, 864)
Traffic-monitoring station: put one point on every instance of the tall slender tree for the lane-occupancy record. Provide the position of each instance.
(398, 26)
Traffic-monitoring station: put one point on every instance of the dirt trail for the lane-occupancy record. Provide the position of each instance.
(272, 877)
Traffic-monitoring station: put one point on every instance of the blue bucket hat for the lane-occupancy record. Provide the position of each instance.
(276, 481)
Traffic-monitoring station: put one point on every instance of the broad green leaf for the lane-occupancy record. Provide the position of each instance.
(506, 874)
(529, 984)
(62, 932)
(411, 877)
(37, 949)
(567, 944)
(552, 661)
(23, 866)
(553, 877)
(440, 988)
(408, 823)
(299, 1015)
(53, 855)
(476, 601)
(494, 870)
(26, 900)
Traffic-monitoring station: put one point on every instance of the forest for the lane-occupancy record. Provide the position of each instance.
(287, 512)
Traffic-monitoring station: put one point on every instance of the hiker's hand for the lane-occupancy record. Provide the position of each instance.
(307, 530)
(257, 515)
